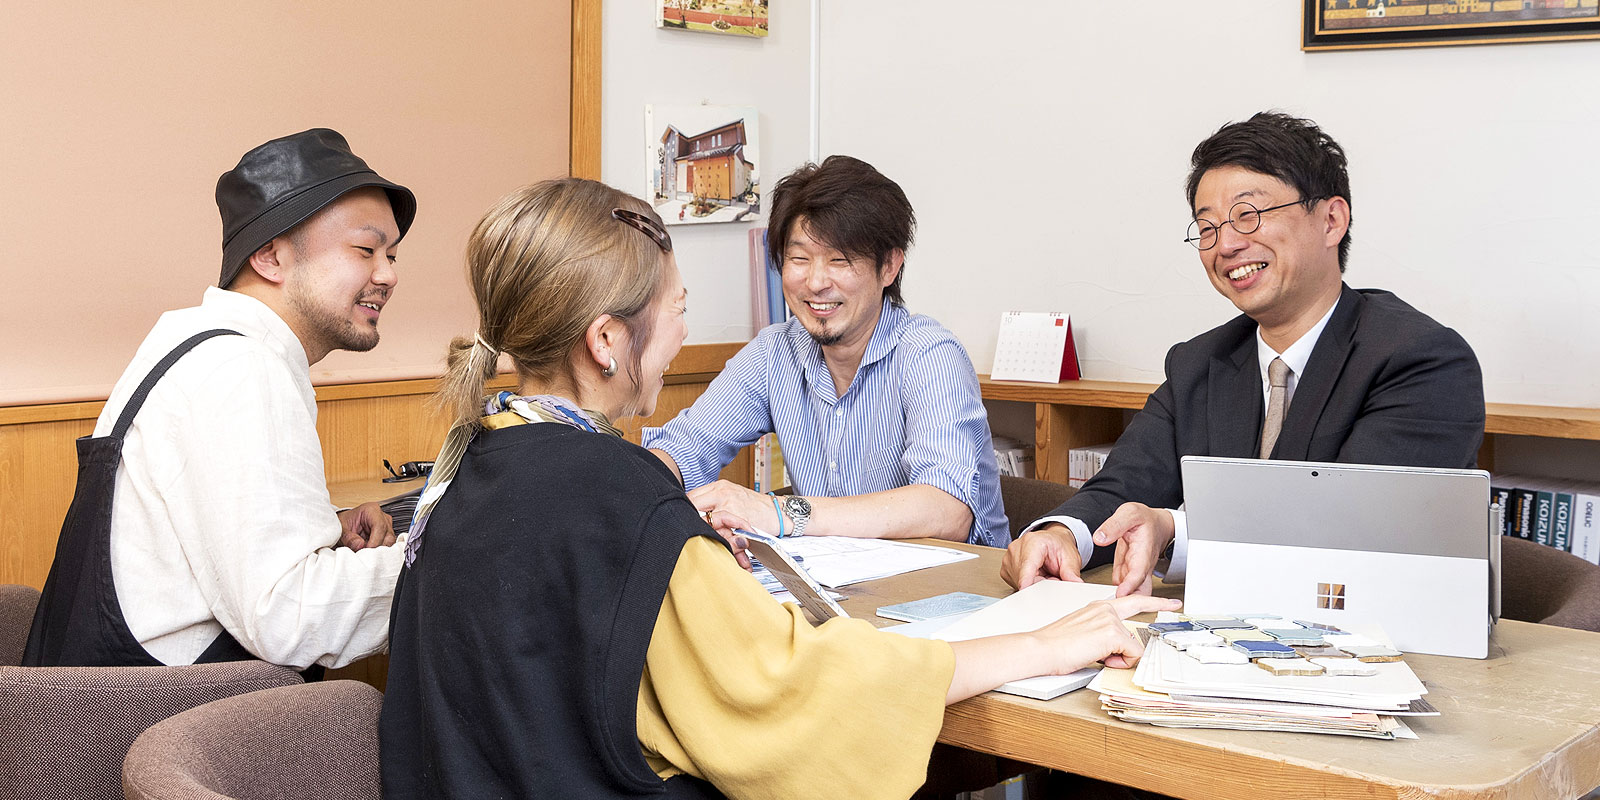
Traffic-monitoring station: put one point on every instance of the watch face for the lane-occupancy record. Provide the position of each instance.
(798, 506)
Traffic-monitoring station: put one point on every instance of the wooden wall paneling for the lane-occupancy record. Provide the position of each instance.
(358, 434)
(38, 470)
(586, 46)
(359, 425)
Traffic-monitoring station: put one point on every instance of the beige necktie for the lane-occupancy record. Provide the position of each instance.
(1277, 405)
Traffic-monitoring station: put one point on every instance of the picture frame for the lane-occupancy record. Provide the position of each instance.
(1359, 24)
(723, 17)
(702, 163)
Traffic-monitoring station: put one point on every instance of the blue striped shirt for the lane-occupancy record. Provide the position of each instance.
(913, 414)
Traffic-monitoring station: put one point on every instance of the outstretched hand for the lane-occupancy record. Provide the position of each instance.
(1095, 633)
(1140, 533)
(1049, 553)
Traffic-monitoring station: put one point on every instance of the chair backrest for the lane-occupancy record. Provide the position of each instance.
(311, 740)
(17, 604)
(1027, 499)
(65, 730)
(1539, 583)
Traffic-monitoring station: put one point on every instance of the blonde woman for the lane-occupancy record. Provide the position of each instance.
(568, 625)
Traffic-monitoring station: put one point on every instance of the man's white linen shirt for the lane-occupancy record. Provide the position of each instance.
(222, 515)
(1295, 357)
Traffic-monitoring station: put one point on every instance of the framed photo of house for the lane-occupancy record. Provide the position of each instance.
(731, 17)
(1353, 24)
(702, 163)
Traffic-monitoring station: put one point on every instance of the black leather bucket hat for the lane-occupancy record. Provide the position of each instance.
(283, 182)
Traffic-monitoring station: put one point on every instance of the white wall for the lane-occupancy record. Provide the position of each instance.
(1045, 146)
(644, 64)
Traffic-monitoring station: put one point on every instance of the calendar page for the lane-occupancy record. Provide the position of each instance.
(1035, 346)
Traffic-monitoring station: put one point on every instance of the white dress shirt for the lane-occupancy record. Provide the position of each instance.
(1295, 357)
(222, 515)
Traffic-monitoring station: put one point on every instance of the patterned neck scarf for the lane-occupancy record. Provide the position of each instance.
(549, 408)
(535, 408)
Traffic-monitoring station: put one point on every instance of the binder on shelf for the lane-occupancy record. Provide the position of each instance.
(766, 284)
(1036, 347)
(1557, 512)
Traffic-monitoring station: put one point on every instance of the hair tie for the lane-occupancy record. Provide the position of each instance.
(478, 338)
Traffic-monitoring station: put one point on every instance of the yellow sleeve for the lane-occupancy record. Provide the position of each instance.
(747, 694)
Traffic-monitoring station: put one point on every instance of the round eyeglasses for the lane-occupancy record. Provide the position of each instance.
(1244, 218)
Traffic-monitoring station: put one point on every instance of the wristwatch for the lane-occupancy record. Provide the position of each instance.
(798, 510)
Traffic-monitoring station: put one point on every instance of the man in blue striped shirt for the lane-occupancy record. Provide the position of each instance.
(883, 430)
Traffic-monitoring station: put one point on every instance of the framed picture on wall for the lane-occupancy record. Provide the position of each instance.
(702, 163)
(1353, 24)
(732, 17)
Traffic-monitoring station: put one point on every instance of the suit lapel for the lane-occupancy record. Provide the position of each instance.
(1234, 413)
(1322, 375)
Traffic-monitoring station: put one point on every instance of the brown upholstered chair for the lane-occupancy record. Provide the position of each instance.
(65, 730)
(312, 740)
(17, 604)
(1539, 583)
(1027, 499)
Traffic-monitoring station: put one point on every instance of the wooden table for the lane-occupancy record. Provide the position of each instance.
(353, 493)
(1524, 723)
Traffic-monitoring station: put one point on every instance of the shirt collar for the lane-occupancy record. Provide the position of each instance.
(1295, 355)
(885, 333)
(255, 319)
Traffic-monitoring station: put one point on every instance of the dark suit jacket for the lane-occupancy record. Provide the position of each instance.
(1385, 385)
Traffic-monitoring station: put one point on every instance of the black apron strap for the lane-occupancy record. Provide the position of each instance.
(136, 402)
(79, 621)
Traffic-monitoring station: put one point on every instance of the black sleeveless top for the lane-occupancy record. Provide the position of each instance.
(518, 635)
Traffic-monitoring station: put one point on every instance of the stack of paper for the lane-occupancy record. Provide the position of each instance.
(1172, 689)
(835, 561)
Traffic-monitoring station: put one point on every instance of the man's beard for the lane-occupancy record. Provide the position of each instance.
(337, 332)
(825, 338)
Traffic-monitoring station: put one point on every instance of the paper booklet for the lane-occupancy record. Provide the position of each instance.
(1029, 610)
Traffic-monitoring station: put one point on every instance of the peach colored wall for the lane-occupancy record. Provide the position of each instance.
(117, 118)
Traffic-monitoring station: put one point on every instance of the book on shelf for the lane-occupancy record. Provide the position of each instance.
(1012, 457)
(1556, 512)
(1084, 462)
(768, 471)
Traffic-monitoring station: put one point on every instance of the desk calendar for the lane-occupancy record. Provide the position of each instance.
(1035, 346)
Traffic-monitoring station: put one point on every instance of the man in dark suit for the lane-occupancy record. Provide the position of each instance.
(1311, 371)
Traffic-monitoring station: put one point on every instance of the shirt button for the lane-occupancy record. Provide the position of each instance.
(838, 412)
(833, 465)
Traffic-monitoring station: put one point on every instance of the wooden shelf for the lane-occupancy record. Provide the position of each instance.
(1079, 413)
(1552, 421)
(1093, 394)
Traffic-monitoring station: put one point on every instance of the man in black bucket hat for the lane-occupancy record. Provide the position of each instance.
(201, 529)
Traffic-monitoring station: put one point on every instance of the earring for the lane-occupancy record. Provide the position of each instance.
(610, 371)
